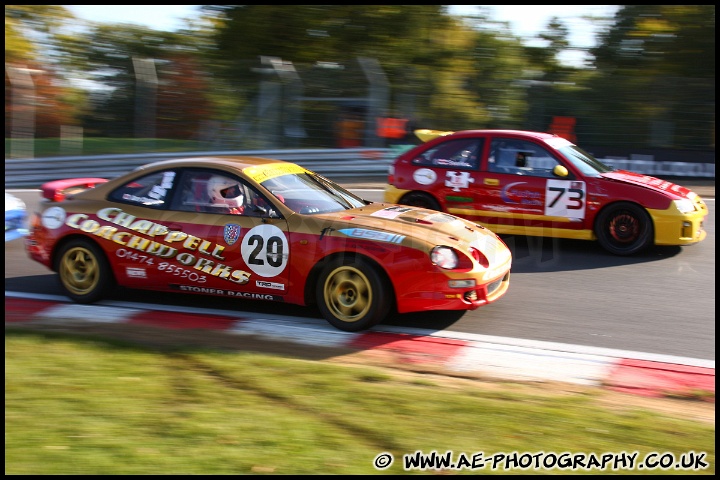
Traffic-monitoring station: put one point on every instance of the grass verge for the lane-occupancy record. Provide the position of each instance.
(92, 406)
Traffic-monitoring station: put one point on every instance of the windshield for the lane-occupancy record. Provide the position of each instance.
(583, 161)
(310, 193)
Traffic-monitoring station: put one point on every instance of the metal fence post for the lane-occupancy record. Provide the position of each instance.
(145, 97)
(22, 129)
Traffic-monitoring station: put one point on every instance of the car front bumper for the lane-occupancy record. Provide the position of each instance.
(674, 228)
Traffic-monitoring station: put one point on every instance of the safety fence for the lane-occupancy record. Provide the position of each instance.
(341, 164)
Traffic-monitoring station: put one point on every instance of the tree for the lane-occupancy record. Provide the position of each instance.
(656, 75)
(34, 90)
(182, 104)
(176, 84)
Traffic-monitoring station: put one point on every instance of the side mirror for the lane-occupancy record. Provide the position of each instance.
(560, 171)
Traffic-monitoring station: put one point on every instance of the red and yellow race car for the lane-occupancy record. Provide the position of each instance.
(539, 184)
(263, 229)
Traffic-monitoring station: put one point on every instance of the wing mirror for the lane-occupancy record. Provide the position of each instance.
(560, 171)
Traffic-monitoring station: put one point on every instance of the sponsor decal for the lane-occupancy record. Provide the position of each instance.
(238, 276)
(265, 249)
(53, 218)
(227, 293)
(136, 272)
(441, 218)
(458, 180)
(143, 200)
(376, 235)
(260, 173)
(156, 196)
(273, 285)
(455, 198)
(160, 244)
(159, 192)
(134, 256)
(424, 176)
(513, 193)
(391, 212)
(231, 233)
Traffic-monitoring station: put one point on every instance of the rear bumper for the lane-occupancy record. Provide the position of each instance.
(393, 194)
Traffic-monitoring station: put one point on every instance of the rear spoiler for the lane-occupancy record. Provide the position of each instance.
(59, 189)
(426, 135)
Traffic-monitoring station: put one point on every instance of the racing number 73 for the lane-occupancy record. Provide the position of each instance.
(565, 199)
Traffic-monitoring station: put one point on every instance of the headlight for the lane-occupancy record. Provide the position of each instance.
(444, 257)
(684, 205)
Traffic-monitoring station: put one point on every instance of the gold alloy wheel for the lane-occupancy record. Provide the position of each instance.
(79, 271)
(348, 294)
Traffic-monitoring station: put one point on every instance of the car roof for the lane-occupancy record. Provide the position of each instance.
(524, 133)
(238, 162)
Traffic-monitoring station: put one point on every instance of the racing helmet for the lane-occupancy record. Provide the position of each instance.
(225, 191)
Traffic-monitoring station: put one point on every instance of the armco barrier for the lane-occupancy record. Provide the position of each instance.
(334, 163)
(33, 172)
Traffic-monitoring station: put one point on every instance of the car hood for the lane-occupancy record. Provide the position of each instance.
(417, 227)
(646, 181)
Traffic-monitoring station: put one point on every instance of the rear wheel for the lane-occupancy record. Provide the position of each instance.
(624, 229)
(419, 199)
(352, 295)
(84, 272)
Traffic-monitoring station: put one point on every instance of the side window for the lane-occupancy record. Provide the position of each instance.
(520, 158)
(211, 192)
(193, 195)
(460, 154)
(152, 190)
(217, 192)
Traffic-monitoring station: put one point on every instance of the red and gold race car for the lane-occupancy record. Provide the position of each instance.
(539, 184)
(263, 229)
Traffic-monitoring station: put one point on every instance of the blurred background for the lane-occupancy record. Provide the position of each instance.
(238, 77)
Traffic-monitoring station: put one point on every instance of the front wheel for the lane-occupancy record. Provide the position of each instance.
(624, 229)
(352, 295)
(422, 200)
(84, 272)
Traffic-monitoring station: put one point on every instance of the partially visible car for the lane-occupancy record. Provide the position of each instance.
(16, 220)
(538, 184)
(262, 229)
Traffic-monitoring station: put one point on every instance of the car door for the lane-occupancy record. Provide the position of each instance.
(449, 170)
(516, 189)
(199, 246)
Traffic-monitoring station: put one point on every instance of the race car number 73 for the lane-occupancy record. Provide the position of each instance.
(565, 199)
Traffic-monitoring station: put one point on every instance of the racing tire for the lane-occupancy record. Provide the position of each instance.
(352, 295)
(624, 229)
(421, 200)
(84, 272)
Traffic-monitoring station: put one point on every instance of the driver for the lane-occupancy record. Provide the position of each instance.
(226, 192)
